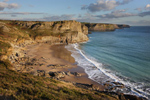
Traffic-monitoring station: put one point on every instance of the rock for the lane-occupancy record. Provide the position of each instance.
(3, 57)
(17, 54)
(104, 27)
(87, 86)
(4, 28)
(57, 75)
(76, 73)
(40, 73)
(68, 73)
(100, 27)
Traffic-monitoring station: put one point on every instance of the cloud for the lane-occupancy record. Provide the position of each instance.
(104, 5)
(59, 17)
(14, 14)
(20, 13)
(139, 23)
(124, 2)
(147, 7)
(139, 9)
(87, 17)
(116, 14)
(68, 7)
(30, 5)
(4, 5)
(101, 5)
(146, 13)
(5, 0)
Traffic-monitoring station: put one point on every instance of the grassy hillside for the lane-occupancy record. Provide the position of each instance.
(21, 86)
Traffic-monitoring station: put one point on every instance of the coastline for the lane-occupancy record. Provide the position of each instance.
(37, 63)
(57, 54)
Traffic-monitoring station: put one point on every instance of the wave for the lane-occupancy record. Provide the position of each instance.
(97, 72)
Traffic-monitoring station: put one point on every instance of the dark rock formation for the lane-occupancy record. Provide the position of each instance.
(123, 26)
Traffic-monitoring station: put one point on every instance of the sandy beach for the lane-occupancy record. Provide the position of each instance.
(57, 54)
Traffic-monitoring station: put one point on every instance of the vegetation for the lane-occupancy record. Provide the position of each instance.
(4, 47)
(23, 86)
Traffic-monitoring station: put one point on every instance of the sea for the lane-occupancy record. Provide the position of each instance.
(120, 56)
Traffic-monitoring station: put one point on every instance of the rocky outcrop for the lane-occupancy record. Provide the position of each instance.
(60, 74)
(100, 27)
(123, 26)
(104, 27)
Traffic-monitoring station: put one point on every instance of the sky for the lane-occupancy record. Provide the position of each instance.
(132, 12)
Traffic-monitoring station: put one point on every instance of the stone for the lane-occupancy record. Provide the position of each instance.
(75, 73)
(40, 73)
(4, 29)
(57, 75)
(68, 73)
(17, 55)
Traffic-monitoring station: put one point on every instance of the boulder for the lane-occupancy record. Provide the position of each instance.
(40, 73)
(76, 73)
(57, 75)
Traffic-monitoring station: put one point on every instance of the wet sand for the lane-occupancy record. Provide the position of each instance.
(58, 54)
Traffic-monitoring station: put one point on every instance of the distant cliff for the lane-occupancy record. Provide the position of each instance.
(104, 27)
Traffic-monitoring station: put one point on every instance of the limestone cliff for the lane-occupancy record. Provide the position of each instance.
(73, 31)
(104, 27)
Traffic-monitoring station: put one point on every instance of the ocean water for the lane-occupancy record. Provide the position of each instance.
(119, 56)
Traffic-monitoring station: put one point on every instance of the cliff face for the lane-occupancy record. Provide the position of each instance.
(73, 31)
(104, 27)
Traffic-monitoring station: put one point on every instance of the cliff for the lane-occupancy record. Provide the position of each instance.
(104, 27)
(73, 31)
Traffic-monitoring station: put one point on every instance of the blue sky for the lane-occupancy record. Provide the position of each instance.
(132, 12)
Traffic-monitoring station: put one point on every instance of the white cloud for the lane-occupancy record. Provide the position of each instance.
(101, 5)
(59, 17)
(116, 14)
(147, 7)
(14, 14)
(104, 5)
(4, 5)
